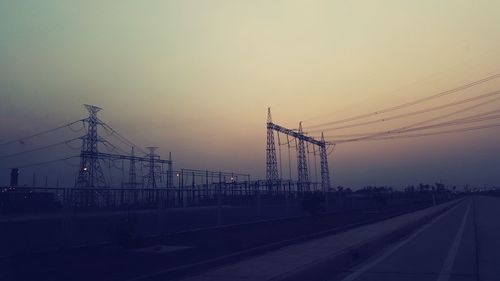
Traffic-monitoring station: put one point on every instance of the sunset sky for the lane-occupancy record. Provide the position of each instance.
(196, 78)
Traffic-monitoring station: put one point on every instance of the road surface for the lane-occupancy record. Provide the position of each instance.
(462, 244)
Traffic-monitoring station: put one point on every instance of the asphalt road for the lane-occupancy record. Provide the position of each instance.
(462, 244)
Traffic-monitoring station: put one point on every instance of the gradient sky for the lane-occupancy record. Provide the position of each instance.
(196, 77)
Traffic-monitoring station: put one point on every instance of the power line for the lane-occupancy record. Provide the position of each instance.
(488, 102)
(434, 133)
(47, 162)
(21, 140)
(121, 137)
(452, 123)
(39, 148)
(461, 121)
(113, 147)
(406, 128)
(407, 114)
(389, 109)
(331, 151)
(485, 114)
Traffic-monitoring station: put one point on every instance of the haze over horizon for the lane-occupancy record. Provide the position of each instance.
(196, 78)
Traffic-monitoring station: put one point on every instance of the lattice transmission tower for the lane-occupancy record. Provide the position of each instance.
(271, 161)
(325, 173)
(153, 178)
(90, 173)
(303, 181)
(303, 174)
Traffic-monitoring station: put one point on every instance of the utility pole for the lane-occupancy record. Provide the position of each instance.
(302, 172)
(325, 173)
(154, 170)
(170, 172)
(90, 173)
(132, 178)
(271, 161)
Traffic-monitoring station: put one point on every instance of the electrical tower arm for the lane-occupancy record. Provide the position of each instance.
(295, 134)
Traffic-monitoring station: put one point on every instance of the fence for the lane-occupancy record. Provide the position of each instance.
(254, 193)
(42, 219)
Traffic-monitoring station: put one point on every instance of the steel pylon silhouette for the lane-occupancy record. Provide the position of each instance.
(153, 178)
(325, 173)
(303, 175)
(90, 173)
(271, 161)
